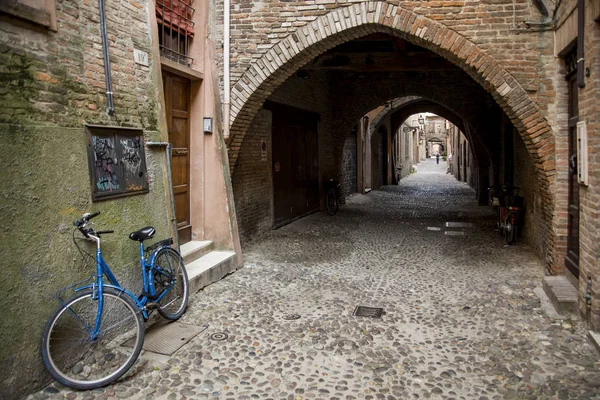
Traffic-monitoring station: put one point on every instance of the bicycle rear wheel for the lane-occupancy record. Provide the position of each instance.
(171, 276)
(331, 202)
(76, 359)
(510, 233)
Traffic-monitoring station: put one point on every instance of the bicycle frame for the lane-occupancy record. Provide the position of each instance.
(103, 270)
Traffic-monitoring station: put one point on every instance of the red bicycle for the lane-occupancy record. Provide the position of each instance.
(509, 212)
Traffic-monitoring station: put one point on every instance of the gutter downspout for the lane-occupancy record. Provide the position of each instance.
(110, 107)
(580, 31)
(169, 148)
(226, 77)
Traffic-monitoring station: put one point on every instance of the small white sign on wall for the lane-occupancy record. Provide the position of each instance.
(140, 57)
(582, 153)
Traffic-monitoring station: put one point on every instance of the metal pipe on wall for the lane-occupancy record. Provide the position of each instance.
(580, 43)
(110, 108)
(169, 148)
(226, 78)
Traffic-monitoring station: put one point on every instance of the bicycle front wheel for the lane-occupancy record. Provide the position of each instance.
(76, 357)
(171, 276)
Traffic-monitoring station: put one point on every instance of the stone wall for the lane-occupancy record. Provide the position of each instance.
(52, 83)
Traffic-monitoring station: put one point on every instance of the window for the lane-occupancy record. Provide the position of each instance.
(117, 162)
(175, 29)
(41, 12)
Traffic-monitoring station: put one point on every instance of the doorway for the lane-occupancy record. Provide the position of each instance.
(295, 164)
(177, 102)
(572, 257)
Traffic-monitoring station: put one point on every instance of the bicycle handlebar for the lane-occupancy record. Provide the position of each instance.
(81, 222)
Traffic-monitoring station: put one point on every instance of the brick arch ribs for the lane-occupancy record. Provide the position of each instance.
(360, 19)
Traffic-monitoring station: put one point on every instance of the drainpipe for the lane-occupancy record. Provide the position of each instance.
(169, 148)
(580, 31)
(588, 299)
(226, 89)
(110, 108)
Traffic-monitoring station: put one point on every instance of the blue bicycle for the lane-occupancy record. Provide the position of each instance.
(95, 337)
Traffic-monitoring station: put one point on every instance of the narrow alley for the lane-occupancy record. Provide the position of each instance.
(462, 317)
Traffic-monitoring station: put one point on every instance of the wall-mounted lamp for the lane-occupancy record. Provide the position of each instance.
(207, 125)
(421, 120)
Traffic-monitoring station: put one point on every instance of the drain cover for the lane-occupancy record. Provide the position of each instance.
(291, 317)
(372, 312)
(219, 336)
(454, 233)
(168, 338)
(459, 225)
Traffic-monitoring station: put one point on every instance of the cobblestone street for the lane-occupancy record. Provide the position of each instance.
(463, 317)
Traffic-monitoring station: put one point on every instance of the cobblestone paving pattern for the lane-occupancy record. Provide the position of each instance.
(461, 318)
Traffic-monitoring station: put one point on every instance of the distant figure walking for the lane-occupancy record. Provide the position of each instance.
(437, 158)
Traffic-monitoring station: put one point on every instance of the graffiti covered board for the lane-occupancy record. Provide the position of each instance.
(117, 162)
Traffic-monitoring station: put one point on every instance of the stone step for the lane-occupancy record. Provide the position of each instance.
(210, 268)
(195, 249)
(562, 294)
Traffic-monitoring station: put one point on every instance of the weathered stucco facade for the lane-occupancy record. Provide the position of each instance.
(52, 89)
(53, 84)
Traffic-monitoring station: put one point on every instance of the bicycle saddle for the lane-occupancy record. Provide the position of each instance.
(142, 234)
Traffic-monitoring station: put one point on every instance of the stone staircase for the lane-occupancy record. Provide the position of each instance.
(562, 294)
(205, 265)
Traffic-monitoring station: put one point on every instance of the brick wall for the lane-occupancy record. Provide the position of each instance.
(525, 178)
(252, 177)
(349, 164)
(253, 184)
(489, 41)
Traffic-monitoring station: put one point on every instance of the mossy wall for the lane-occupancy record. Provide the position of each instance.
(51, 86)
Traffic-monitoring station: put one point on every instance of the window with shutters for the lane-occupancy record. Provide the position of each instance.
(117, 162)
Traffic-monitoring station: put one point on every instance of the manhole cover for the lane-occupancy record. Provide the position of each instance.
(291, 317)
(372, 312)
(167, 338)
(219, 336)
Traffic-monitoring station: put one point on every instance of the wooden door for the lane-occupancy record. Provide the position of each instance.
(295, 164)
(572, 257)
(177, 102)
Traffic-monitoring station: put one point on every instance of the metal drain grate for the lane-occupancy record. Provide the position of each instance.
(168, 338)
(459, 225)
(371, 312)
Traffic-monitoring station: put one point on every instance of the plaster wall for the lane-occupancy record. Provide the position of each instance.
(52, 84)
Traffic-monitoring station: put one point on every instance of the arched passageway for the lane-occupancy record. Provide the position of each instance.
(375, 53)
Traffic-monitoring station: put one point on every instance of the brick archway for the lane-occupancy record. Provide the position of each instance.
(341, 25)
